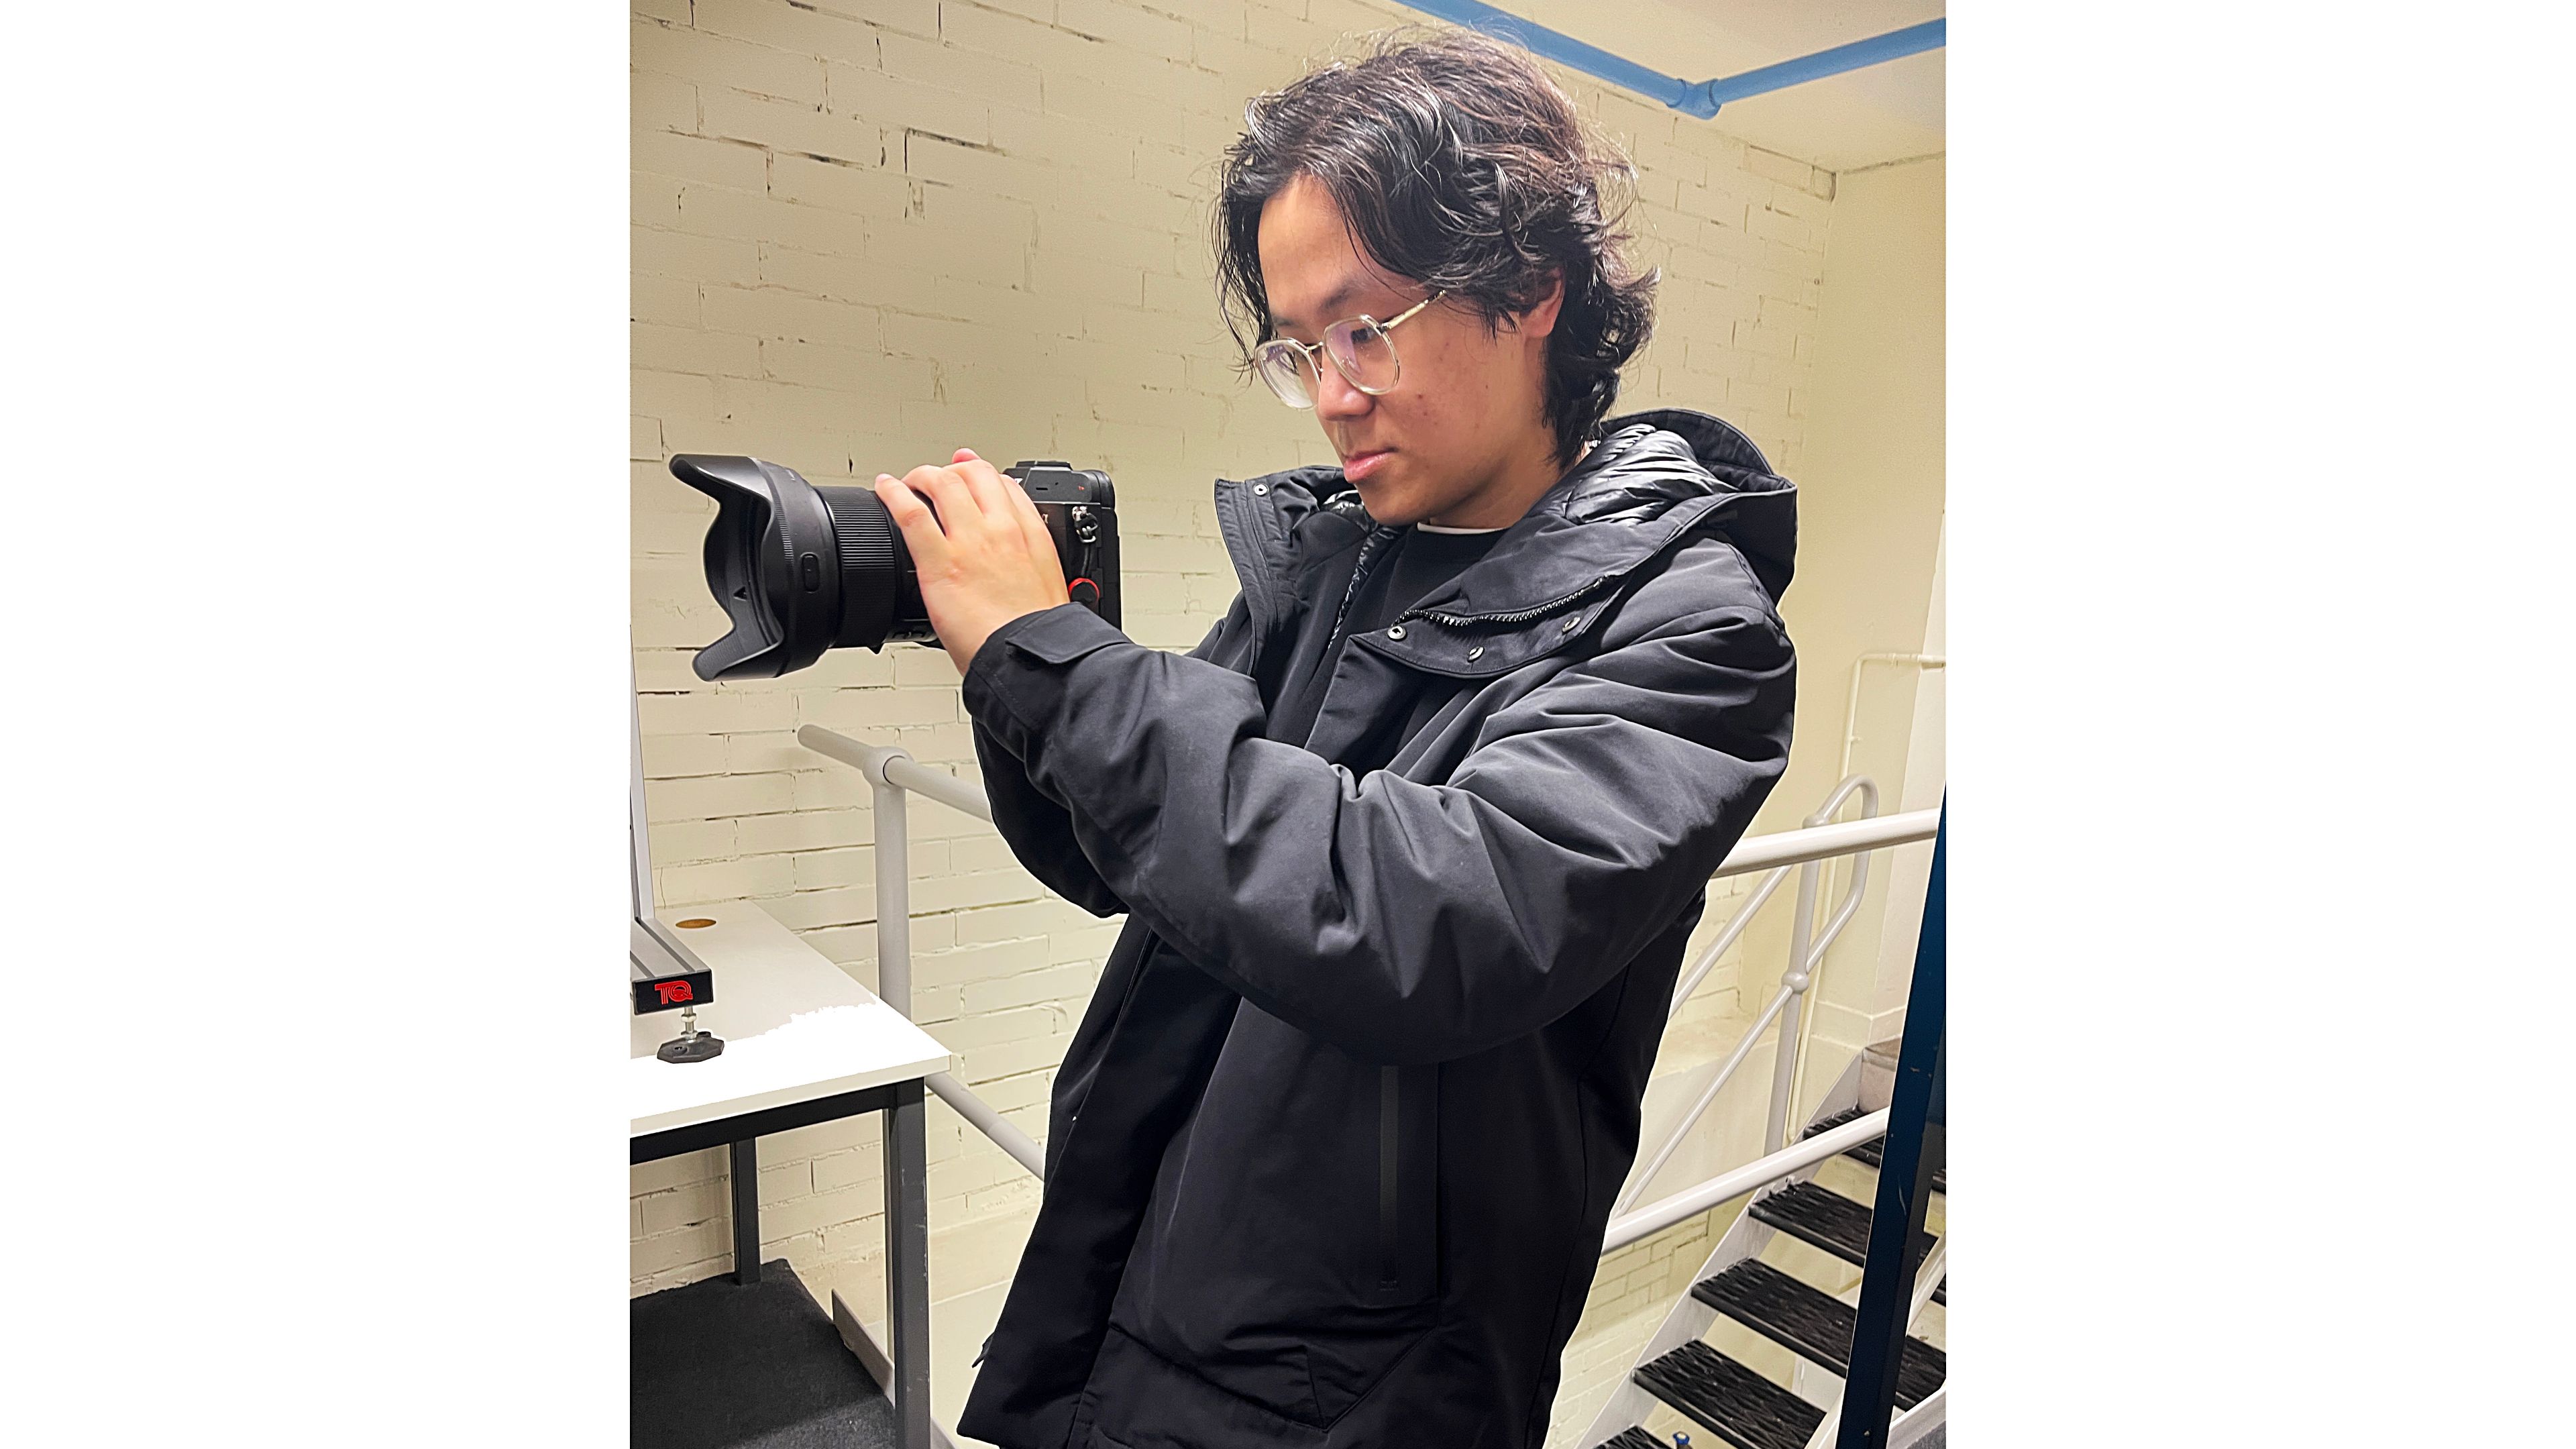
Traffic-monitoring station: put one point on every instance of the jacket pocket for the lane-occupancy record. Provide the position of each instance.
(1289, 1253)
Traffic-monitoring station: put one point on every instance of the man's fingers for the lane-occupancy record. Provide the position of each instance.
(921, 532)
(960, 517)
(990, 489)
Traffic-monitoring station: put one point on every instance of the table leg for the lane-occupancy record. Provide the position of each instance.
(746, 1212)
(907, 1174)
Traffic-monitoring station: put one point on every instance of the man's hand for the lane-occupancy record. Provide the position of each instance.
(985, 558)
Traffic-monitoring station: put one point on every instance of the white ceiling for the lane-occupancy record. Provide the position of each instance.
(1887, 112)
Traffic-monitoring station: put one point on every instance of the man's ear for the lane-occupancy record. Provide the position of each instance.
(1540, 318)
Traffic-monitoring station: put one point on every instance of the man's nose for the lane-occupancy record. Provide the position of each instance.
(1335, 398)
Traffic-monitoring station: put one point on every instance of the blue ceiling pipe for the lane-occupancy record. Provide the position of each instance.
(1694, 98)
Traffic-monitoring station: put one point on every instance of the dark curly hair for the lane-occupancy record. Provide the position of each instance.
(1460, 165)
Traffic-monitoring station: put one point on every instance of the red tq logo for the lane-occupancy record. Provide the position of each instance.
(671, 991)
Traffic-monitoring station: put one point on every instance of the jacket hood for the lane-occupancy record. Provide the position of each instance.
(1652, 477)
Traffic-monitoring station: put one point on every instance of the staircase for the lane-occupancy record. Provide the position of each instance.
(1753, 1354)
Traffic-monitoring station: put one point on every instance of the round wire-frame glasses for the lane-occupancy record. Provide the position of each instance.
(1359, 348)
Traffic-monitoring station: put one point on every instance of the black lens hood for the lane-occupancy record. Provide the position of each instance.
(771, 562)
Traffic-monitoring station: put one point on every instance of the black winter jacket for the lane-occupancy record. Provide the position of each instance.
(1369, 1051)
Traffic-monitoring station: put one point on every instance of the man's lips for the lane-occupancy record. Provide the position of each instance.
(1359, 465)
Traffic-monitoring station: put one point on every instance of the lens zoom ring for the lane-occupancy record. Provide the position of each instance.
(864, 535)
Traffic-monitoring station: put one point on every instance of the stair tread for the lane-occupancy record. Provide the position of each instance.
(1730, 1400)
(1824, 1218)
(1812, 1323)
(1635, 1438)
(1872, 1151)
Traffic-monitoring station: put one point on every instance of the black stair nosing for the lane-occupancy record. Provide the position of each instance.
(1873, 1151)
(1808, 1322)
(1824, 1218)
(1633, 1437)
(1729, 1400)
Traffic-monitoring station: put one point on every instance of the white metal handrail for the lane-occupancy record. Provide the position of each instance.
(1795, 847)
(1761, 1172)
(893, 773)
(1006, 1135)
(1754, 852)
(886, 765)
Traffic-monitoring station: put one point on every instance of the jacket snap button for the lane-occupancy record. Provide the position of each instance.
(1476, 653)
(1397, 632)
(1260, 487)
(1569, 626)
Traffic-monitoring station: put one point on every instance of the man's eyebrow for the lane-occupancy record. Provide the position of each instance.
(1332, 303)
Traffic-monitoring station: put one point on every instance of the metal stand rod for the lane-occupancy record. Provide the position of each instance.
(746, 1212)
(1917, 1129)
(907, 1171)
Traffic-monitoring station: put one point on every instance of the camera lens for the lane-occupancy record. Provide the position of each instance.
(798, 569)
(801, 569)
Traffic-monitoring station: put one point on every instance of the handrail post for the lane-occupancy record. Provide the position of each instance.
(907, 1166)
(894, 892)
(1806, 952)
(1784, 1061)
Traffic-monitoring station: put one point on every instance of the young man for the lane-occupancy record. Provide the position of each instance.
(1410, 846)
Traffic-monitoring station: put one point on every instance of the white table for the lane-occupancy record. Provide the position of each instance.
(803, 1044)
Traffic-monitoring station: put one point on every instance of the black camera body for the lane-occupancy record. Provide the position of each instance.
(801, 569)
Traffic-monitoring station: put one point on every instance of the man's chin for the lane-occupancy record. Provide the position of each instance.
(1394, 507)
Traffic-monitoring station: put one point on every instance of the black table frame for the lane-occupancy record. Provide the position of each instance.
(907, 1172)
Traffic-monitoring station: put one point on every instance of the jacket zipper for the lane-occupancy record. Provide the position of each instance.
(1359, 574)
(1516, 616)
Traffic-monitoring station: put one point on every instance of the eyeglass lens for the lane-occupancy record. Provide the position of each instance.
(1360, 349)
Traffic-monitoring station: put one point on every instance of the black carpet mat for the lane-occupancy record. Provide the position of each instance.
(715, 1365)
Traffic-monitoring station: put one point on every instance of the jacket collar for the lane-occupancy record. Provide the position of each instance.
(1652, 477)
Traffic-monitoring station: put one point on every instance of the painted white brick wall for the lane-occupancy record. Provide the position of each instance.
(867, 232)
